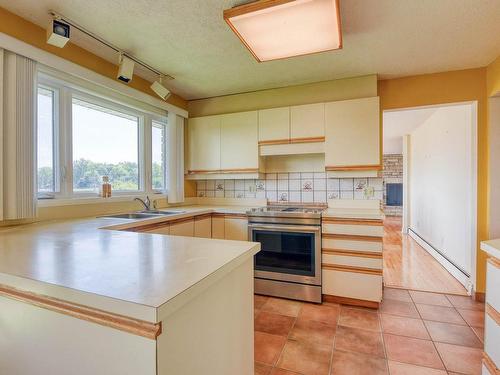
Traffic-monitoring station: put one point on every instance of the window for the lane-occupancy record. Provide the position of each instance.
(105, 143)
(84, 135)
(158, 157)
(45, 142)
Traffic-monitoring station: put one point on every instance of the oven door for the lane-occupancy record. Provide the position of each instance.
(288, 252)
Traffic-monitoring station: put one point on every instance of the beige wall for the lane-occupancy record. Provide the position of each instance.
(326, 91)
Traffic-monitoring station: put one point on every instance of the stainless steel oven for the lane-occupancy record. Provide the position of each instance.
(289, 263)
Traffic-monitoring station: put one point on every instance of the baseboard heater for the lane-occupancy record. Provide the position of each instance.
(440, 253)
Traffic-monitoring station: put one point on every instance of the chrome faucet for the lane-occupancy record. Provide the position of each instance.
(146, 203)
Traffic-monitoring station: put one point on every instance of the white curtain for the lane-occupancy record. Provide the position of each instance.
(18, 136)
(175, 152)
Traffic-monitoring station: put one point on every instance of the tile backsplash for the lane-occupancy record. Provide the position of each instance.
(303, 187)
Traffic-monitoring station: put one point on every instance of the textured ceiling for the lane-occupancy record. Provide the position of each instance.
(189, 40)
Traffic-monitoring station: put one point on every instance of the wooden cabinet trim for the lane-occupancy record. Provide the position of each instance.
(104, 318)
(490, 365)
(307, 140)
(274, 142)
(350, 237)
(350, 301)
(493, 313)
(343, 268)
(353, 253)
(202, 217)
(341, 168)
(181, 220)
(494, 262)
(223, 171)
(332, 220)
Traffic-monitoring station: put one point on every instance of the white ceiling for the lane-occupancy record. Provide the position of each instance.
(190, 40)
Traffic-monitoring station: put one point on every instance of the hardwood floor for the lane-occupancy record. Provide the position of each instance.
(407, 265)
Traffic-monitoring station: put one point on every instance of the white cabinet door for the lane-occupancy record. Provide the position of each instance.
(203, 227)
(218, 227)
(236, 228)
(274, 125)
(204, 143)
(352, 133)
(307, 121)
(183, 228)
(239, 141)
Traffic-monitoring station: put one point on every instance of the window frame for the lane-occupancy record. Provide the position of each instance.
(63, 139)
(159, 122)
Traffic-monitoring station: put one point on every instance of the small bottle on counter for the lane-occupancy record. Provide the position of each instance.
(106, 187)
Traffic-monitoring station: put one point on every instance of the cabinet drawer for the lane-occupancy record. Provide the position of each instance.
(492, 339)
(352, 285)
(182, 228)
(353, 229)
(351, 260)
(492, 283)
(353, 243)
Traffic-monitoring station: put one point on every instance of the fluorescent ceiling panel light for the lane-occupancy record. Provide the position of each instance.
(277, 29)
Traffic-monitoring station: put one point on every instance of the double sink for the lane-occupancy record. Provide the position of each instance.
(145, 214)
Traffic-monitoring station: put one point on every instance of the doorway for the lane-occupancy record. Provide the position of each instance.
(431, 236)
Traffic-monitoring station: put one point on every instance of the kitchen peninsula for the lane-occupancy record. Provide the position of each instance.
(105, 301)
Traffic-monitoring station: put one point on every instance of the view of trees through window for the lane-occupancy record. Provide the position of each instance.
(45, 140)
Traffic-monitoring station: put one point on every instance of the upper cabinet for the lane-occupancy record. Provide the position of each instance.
(274, 125)
(204, 144)
(239, 142)
(352, 135)
(307, 123)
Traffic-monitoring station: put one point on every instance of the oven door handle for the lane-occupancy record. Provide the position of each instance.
(296, 228)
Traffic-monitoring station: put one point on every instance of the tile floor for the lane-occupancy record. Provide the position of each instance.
(412, 333)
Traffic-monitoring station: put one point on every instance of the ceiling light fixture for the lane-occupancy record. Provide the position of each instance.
(159, 89)
(58, 33)
(126, 68)
(277, 29)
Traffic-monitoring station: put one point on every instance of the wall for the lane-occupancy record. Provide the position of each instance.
(494, 130)
(30, 33)
(303, 187)
(392, 173)
(441, 182)
(451, 87)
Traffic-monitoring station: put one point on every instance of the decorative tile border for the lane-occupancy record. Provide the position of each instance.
(304, 187)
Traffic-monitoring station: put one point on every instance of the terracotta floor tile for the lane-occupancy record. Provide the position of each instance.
(465, 302)
(348, 363)
(413, 351)
(274, 324)
(358, 318)
(359, 340)
(399, 325)
(479, 333)
(258, 301)
(262, 369)
(280, 371)
(397, 294)
(268, 347)
(474, 318)
(282, 306)
(453, 334)
(397, 368)
(322, 313)
(430, 298)
(460, 358)
(313, 332)
(305, 358)
(440, 314)
(401, 308)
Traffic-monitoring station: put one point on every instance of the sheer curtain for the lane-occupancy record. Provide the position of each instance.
(175, 152)
(18, 136)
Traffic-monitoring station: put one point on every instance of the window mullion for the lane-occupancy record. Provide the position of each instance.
(66, 144)
(146, 160)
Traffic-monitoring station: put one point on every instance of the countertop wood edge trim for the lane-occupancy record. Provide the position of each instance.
(104, 318)
(344, 268)
(494, 262)
(493, 313)
(353, 253)
(372, 222)
(307, 140)
(490, 365)
(352, 237)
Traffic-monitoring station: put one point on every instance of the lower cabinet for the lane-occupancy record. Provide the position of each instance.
(218, 226)
(236, 228)
(164, 229)
(203, 226)
(182, 227)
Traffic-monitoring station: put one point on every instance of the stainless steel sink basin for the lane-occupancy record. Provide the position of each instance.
(159, 212)
(133, 215)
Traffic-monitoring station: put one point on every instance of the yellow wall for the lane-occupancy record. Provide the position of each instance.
(450, 87)
(326, 91)
(30, 33)
(493, 78)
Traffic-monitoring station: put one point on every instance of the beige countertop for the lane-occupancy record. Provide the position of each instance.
(492, 247)
(139, 275)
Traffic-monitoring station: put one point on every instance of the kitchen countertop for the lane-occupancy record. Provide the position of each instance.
(140, 275)
(492, 247)
(354, 213)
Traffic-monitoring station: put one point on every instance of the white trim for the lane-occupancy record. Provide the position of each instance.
(129, 197)
(56, 62)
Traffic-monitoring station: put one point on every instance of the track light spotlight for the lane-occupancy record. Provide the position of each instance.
(159, 89)
(58, 33)
(126, 69)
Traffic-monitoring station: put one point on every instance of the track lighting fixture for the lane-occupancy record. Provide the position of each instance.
(159, 89)
(126, 68)
(58, 33)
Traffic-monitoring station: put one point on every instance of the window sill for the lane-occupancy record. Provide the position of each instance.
(92, 200)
